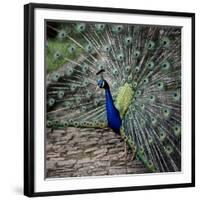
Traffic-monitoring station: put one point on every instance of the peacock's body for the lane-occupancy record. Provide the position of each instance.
(113, 115)
(141, 68)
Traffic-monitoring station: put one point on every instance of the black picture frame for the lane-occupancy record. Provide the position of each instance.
(29, 80)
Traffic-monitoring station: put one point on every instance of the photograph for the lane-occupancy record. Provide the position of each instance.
(113, 99)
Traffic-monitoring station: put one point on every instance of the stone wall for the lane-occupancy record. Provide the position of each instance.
(88, 152)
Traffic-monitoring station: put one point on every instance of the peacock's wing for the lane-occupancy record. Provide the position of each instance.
(153, 119)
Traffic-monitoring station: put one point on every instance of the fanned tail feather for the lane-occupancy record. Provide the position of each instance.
(148, 58)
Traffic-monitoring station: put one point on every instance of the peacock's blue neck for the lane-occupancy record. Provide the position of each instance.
(113, 116)
(109, 99)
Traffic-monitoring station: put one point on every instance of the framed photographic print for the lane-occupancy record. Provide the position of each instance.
(108, 99)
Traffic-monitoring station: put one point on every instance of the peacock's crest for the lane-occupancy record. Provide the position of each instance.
(141, 64)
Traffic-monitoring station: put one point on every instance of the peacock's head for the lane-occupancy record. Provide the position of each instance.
(102, 83)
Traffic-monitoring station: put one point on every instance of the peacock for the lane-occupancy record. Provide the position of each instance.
(123, 76)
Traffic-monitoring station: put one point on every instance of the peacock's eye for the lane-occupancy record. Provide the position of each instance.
(151, 45)
(62, 34)
(88, 48)
(72, 49)
(128, 41)
(80, 27)
(55, 77)
(120, 57)
(106, 48)
(166, 65)
(51, 101)
(137, 69)
(56, 121)
(128, 68)
(136, 54)
(69, 71)
(65, 123)
(150, 65)
(165, 42)
(57, 55)
(177, 130)
(176, 95)
(84, 67)
(117, 29)
(146, 80)
(49, 123)
(100, 27)
(169, 149)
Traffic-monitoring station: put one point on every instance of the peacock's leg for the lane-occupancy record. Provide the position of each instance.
(133, 156)
(125, 150)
